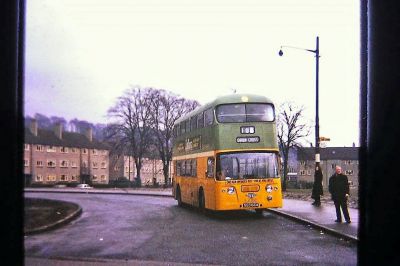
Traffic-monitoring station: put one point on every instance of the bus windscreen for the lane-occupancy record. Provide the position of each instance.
(247, 165)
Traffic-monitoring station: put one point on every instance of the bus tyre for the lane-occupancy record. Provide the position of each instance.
(178, 196)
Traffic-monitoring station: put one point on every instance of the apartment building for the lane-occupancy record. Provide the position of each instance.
(346, 157)
(57, 156)
(124, 166)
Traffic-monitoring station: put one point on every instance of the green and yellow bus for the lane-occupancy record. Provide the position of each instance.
(226, 155)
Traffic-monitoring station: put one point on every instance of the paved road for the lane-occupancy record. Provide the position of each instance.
(154, 229)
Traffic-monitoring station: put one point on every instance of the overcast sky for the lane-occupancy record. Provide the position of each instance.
(82, 54)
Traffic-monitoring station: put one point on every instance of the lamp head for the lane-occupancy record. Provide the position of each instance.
(280, 52)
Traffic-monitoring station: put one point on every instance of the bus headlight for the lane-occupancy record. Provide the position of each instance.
(268, 188)
(230, 190)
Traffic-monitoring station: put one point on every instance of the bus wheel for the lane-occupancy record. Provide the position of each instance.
(178, 196)
(202, 203)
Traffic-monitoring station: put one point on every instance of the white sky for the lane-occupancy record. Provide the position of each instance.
(82, 54)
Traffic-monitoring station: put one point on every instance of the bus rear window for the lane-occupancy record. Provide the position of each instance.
(249, 112)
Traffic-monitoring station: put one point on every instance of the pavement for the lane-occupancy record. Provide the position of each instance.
(322, 217)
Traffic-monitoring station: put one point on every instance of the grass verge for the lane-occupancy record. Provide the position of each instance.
(42, 214)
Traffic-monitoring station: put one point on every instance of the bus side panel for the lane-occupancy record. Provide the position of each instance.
(206, 182)
(185, 189)
(188, 186)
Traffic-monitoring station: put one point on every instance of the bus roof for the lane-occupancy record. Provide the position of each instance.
(230, 98)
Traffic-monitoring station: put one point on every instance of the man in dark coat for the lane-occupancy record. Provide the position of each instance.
(317, 190)
(339, 189)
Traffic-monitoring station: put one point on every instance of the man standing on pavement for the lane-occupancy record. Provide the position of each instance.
(339, 189)
(317, 190)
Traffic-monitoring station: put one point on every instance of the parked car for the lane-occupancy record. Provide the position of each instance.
(83, 186)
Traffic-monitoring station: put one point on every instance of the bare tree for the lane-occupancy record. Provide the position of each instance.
(132, 114)
(56, 119)
(291, 128)
(166, 108)
(43, 121)
(76, 125)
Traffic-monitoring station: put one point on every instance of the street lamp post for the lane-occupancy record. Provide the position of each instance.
(316, 52)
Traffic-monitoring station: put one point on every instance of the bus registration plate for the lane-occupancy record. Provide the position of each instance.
(251, 204)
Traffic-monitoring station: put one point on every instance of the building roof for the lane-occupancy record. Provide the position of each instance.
(329, 153)
(69, 139)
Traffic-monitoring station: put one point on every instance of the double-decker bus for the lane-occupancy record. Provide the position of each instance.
(226, 155)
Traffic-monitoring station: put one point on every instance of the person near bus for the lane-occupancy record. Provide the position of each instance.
(340, 191)
(317, 190)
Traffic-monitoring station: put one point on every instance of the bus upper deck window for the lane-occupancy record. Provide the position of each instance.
(200, 120)
(187, 125)
(182, 127)
(231, 113)
(250, 112)
(259, 112)
(193, 123)
(208, 117)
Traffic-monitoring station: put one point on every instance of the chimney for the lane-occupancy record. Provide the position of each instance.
(89, 134)
(34, 127)
(58, 130)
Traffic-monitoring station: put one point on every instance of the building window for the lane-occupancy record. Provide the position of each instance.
(73, 150)
(333, 166)
(94, 152)
(51, 149)
(308, 172)
(84, 151)
(116, 168)
(26, 162)
(302, 172)
(63, 163)
(104, 152)
(39, 163)
(39, 178)
(74, 164)
(103, 165)
(39, 148)
(64, 178)
(103, 178)
(94, 177)
(302, 162)
(64, 149)
(51, 178)
(26, 147)
(95, 164)
(348, 162)
(349, 172)
(51, 163)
